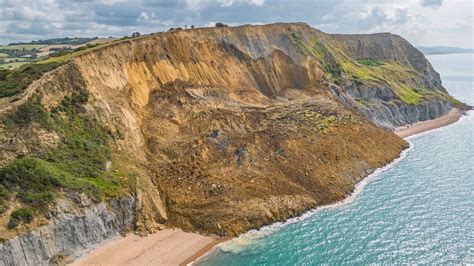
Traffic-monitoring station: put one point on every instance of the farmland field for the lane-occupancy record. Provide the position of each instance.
(12, 65)
(12, 59)
(22, 46)
(71, 55)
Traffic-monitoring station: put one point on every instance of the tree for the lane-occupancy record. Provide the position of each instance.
(192, 26)
(221, 25)
(136, 34)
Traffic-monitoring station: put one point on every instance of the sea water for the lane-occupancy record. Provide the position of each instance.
(418, 210)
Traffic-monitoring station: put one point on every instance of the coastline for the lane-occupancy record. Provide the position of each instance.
(406, 131)
(247, 237)
(165, 247)
(175, 247)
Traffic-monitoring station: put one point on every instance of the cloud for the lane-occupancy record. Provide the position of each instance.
(198, 5)
(369, 18)
(432, 3)
(40, 19)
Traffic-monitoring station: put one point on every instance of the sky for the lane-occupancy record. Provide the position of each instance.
(422, 22)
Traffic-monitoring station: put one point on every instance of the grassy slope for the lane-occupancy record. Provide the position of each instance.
(340, 67)
(77, 164)
(13, 65)
(16, 80)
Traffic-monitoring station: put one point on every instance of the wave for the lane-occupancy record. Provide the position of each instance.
(239, 243)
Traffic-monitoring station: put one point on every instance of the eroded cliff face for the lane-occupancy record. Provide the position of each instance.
(376, 74)
(226, 129)
(70, 233)
(224, 113)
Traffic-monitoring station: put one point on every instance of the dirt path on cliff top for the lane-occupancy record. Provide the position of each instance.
(8, 103)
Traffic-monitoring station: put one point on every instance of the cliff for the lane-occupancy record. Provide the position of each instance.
(69, 234)
(214, 130)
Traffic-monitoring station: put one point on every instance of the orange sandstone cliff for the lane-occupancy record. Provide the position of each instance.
(214, 130)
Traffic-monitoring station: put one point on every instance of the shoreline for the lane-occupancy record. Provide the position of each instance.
(404, 132)
(423, 126)
(175, 247)
(265, 230)
(204, 251)
(165, 247)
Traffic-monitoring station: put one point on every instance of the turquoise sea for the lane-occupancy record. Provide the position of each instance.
(420, 209)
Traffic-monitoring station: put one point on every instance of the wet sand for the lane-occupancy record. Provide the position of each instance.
(166, 247)
(406, 131)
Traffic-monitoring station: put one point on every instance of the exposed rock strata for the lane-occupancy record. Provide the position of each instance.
(229, 129)
(69, 234)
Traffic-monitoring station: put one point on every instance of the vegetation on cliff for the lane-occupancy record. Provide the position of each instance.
(225, 129)
(343, 69)
(77, 164)
(15, 81)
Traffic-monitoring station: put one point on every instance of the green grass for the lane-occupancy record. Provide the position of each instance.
(71, 55)
(340, 68)
(369, 62)
(408, 94)
(313, 48)
(21, 47)
(11, 59)
(15, 77)
(21, 215)
(299, 44)
(436, 94)
(13, 65)
(77, 164)
(15, 81)
(390, 73)
(27, 113)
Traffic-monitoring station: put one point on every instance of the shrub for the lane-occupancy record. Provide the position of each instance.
(338, 81)
(29, 174)
(15, 81)
(77, 164)
(21, 215)
(40, 199)
(333, 69)
(31, 111)
(221, 25)
(369, 62)
(60, 53)
(69, 103)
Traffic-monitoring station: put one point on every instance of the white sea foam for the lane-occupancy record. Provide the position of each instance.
(238, 244)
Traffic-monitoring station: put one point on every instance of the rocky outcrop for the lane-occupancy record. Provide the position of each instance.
(384, 109)
(69, 234)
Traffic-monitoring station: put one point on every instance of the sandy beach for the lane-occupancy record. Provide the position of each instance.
(175, 247)
(406, 131)
(166, 247)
